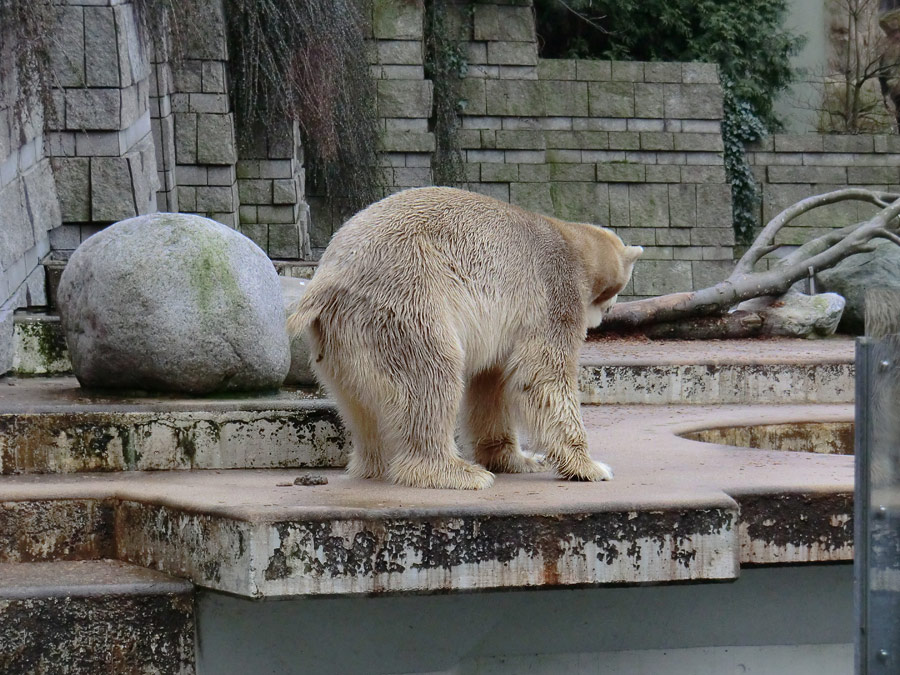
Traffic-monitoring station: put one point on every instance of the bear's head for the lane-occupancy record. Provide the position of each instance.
(608, 266)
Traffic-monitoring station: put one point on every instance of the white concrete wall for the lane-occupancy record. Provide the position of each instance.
(797, 105)
(772, 621)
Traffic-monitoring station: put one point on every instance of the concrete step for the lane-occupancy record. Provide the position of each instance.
(678, 510)
(94, 616)
(712, 372)
(50, 425)
(622, 371)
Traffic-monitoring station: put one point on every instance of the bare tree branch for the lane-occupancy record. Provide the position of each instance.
(583, 17)
(819, 254)
(766, 238)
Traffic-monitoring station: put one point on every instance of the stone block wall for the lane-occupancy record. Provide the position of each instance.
(633, 146)
(405, 97)
(792, 167)
(101, 141)
(29, 207)
(271, 191)
(204, 132)
(138, 131)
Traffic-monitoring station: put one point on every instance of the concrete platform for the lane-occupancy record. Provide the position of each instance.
(678, 510)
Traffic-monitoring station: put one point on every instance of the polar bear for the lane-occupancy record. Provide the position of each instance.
(436, 305)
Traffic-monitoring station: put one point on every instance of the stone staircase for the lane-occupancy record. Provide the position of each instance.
(114, 507)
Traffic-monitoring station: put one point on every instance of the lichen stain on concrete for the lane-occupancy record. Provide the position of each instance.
(62, 442)
(122, 633)
(40, 349)
(204, 548)
(37, 531)
(816, 521)
(362, 548)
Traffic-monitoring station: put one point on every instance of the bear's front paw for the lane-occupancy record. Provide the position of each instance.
(588, 470)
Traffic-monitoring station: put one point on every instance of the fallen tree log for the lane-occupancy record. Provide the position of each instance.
(745, 283)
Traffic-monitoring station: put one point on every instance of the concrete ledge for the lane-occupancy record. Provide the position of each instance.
(84, 578)
(657, 372)
(678, 510)
(711, 372)
(94, 616)
(50, 425)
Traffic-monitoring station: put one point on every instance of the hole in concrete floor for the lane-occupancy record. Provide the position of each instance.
(828, 438)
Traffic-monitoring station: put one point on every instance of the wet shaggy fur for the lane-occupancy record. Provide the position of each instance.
(437, 305)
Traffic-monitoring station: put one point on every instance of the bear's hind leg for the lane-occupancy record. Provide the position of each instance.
(367, 458)
(490, 426)
(367, 451)
(546, 376)
(420, 426)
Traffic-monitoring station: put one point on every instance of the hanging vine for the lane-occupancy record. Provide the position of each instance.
(25, 27)
(445, 66)
(303, 60)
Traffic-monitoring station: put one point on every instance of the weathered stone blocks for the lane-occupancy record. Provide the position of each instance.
(404, 98)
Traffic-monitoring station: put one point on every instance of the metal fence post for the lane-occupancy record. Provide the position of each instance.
(877, 492)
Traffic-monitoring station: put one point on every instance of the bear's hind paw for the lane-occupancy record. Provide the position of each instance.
(455, 475)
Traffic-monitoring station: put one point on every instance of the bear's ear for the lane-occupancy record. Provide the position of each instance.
(632, 253)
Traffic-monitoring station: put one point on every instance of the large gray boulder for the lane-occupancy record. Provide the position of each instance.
(855, 274)
(173, 302)
(300, 371)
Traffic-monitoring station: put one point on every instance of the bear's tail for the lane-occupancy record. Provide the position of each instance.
(304, 312)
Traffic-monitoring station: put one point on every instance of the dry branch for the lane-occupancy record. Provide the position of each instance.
(818, 254)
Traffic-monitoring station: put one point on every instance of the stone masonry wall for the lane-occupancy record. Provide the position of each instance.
(29, 208)
(792, 167)
(204, 133)
(271, 190)
(139, 131)
(101, 143)
(633, 146)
